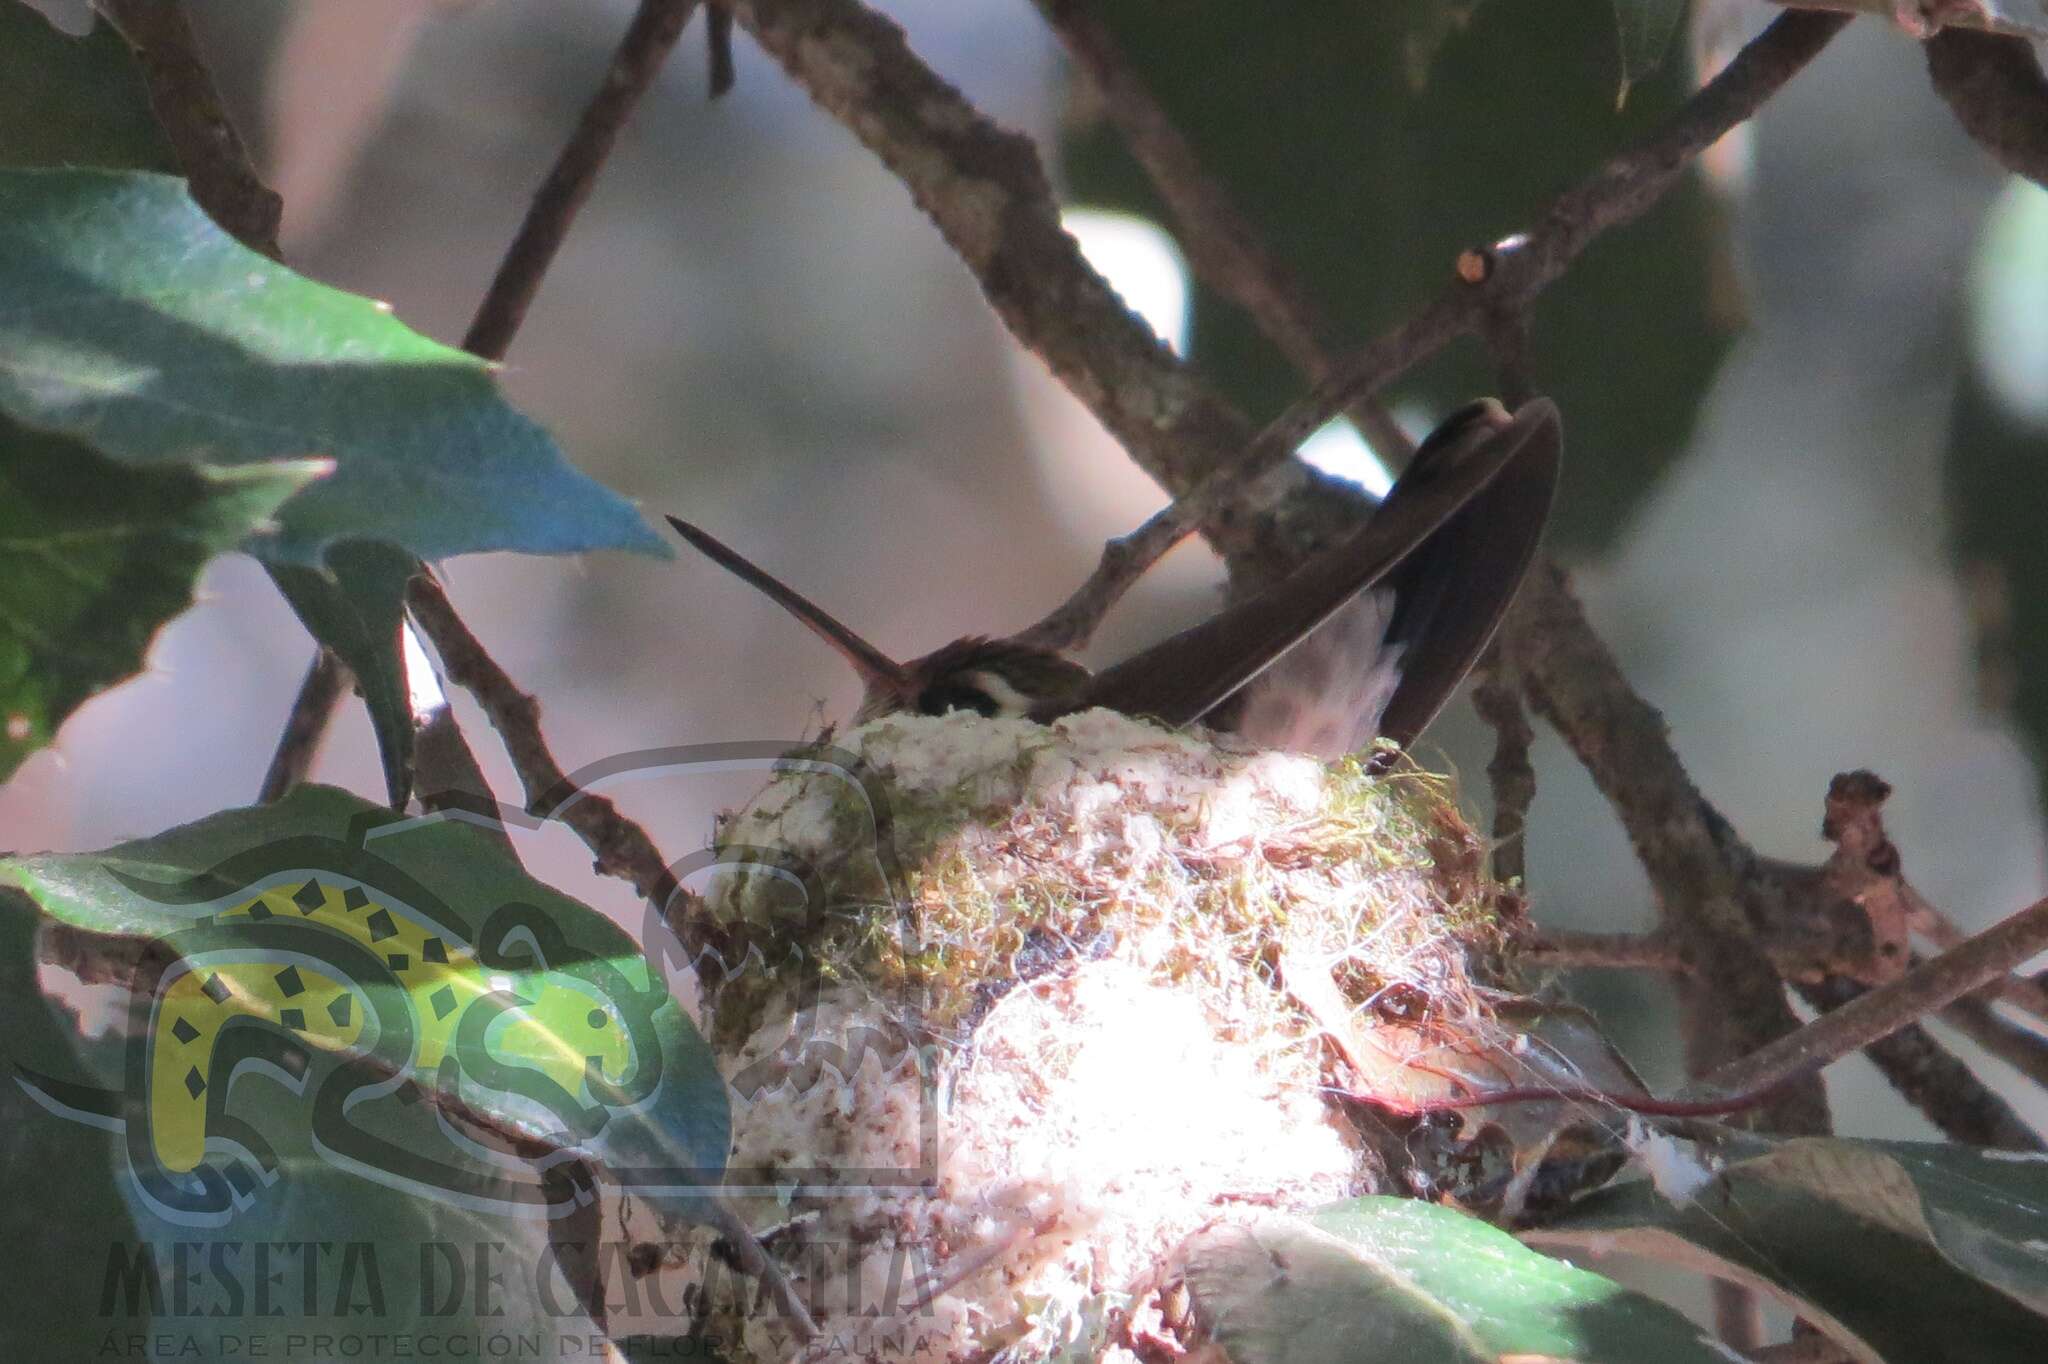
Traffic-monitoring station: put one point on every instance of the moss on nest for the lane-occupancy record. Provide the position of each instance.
(972, 854)
(1077, 957)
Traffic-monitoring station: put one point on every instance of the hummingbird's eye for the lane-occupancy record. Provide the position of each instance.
(956, 694)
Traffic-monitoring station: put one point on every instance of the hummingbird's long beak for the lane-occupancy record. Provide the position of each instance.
(877, 670)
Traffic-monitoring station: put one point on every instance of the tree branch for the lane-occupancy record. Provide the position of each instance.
(985, 190)
(188, 106)
(1490, 282)
(1709, 888)
(1221, 243)
(1879, 1013)
(2022, 1048)
(622, 848)
(1930, 1077)
(1626, 951)
(327, 677)
(648, 40)
(1498, 698)
(1995, 87)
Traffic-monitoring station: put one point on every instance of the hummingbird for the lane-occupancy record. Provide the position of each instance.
(1391, 618)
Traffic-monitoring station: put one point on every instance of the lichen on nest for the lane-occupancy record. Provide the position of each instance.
(1073, 942)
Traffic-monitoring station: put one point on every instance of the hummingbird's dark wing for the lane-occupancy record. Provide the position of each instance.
(1450, 595)
(1446, 490)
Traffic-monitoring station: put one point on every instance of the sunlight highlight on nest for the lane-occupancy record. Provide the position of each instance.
(1065, 944)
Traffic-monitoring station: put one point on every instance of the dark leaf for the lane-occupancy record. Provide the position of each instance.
(355, 607)
(1897, 1250)
(95, 557)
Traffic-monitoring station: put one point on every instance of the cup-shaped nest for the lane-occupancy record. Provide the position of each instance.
(1012, 1008)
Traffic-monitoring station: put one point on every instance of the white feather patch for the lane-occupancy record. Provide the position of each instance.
(1326, 694)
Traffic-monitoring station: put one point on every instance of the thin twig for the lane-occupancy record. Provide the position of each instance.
(641, 52)
(327, 679)
(1491, 282)
(1221, 243)
(1124, 560)
(1497, 697)
(1706, 878)
(1517, 268)
(985, 190)
(718, 47)
(1925, 18)
(188, 106)
(1625, 951)
(1995, 87)
(1932, 1078)
(755, 1260)
(1883, 1011)
(2020, 1047)
(622, 848)
(448, 776)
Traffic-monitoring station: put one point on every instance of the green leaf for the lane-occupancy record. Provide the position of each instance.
(1646, 28)
(356, 607)
(94, 558)
(1887, 1246)
(73, 101)
(1368, 186)
(376, 959)
(1398, 1281)
(54, 1309)
(128, 320)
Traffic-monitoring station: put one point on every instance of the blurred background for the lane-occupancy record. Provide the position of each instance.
(752, 326)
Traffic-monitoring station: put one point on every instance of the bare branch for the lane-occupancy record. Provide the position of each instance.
(305, 726)
(1514, 270)
(188, 106)
(1707, 879)
(1124, 560)
(1629, 951)
(1498, 699)
(1221, 243)
(985, 190)
(641, 52)
(622, 848)
(1491, 283)
(1996, 89)
(1925, 18)
(2020, 1047)
(1931, 1078)
(448, 777)
(1879, 1013)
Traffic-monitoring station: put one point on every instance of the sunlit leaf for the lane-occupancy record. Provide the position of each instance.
(128, 320)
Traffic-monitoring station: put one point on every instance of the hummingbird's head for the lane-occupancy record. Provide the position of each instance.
(993, 677)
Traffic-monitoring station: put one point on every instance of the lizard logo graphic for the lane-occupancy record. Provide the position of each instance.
(328, 971)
